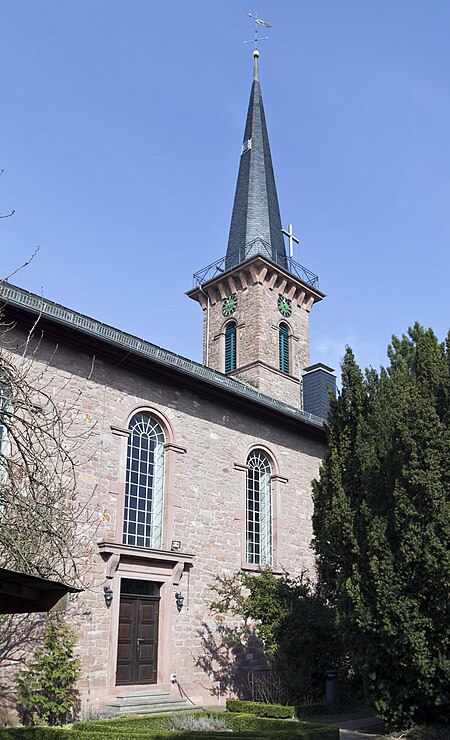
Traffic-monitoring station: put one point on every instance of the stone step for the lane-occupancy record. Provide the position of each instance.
(143, 698)
(161, 703)
(166, 703)
(154, 709)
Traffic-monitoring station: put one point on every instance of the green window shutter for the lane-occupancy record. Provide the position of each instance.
(230, 348)
(283, 344)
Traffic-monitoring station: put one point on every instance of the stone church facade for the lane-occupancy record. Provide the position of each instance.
(194, 470)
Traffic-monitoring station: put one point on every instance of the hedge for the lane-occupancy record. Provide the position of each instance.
(35, 733)
(157, 728)
(142, 722)
(310, 732)
(51, 733)
(279, 727)
(275, 711)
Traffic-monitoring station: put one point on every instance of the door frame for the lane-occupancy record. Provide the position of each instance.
(137, 599)
(160, 566)
(165, 626)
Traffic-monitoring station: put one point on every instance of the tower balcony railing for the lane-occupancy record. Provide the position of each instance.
(215, 269)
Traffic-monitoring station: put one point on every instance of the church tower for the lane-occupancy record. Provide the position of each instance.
(256, 300)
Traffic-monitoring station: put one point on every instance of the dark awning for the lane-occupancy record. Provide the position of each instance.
(22, 594)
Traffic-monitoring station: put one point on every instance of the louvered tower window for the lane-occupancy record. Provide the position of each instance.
(230, 347)
(283, 344)
(259, 509)
(144, 491)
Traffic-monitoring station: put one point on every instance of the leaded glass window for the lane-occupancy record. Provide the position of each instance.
(144, 490)
(259, 509)
(230, 347)
(283, 344)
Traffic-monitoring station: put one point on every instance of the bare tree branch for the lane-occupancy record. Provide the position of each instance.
(6, 215)
(46, 528)
(27, 262)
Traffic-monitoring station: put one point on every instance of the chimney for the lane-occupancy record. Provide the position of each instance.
(317, 380)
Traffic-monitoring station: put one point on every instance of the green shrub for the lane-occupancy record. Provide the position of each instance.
(120, 724)
(137, 723)
(294, 623)
(252, 723)
(35, 733)
(46, 687)
(279, 727)
(276, 711)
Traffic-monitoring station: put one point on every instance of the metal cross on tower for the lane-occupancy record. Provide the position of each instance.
(292, 239)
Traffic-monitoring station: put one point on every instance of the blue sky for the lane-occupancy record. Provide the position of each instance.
(121, 129)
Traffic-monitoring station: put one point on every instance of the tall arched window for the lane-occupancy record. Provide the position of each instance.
(230, 347)
(144, 491)
(283, 345)
(259, 509)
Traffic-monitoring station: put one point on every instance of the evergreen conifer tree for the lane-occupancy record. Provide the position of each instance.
(381, 524)
(46, 687)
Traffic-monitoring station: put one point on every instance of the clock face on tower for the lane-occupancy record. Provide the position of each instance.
(229, 305)
(284, 306)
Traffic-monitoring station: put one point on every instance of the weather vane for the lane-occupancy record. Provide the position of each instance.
(258, 22)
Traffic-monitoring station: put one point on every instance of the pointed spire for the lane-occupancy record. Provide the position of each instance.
(255, 221)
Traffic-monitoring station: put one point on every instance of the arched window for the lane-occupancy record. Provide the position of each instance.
(144, 491)
(259, 509)
(230, 347)
(283, 346)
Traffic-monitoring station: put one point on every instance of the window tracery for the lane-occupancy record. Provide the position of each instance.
(144, 485)
(258, 509)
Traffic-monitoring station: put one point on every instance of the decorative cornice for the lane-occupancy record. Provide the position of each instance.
(171, 447)
(256, 271)
(241, 467)
(120, 431)
(147, 553)
(113, 551)
(279, 478)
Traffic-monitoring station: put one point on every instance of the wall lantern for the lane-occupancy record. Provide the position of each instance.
(108, 594)
(179, 600)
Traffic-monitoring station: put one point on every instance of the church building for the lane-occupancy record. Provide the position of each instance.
(195, 470)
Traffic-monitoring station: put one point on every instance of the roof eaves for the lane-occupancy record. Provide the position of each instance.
(18, 297)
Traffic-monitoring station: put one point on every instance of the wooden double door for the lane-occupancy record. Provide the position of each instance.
(137, 648)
